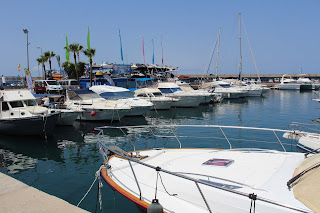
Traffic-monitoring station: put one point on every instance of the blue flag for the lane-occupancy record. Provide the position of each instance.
(121, 46)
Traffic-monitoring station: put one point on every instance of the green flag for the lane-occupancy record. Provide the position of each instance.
(67, 52)
(88, 42)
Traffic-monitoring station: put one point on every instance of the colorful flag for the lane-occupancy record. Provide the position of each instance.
(120, 46)
(88, 42)
(161, 50)
(67, 52)
(29, 80)
(153, 52)
(144, 59)
(19, 67)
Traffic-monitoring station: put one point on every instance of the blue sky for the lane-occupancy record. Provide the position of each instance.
(284, 35)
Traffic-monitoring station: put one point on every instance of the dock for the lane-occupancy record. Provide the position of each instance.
(16, 196)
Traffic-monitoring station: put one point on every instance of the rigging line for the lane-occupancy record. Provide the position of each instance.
(254, 61)
(165, 187)
(206, 70)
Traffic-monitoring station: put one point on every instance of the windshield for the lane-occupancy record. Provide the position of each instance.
(116, 95)
(170, 90)
(52, 82)
(83, 95)
(30, 102)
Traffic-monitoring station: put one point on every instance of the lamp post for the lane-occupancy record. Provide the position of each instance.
(26, 32)
(41, 55)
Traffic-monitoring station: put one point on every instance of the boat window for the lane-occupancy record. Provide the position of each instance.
(176, 89)
(15, 104)
(116, 95)
(166, 90)
(5, 106)
(141, 95)
(30, 102)
(157, 94)
(73, 96)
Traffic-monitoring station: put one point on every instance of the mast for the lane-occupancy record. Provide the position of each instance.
(218, 54)
(240, 64)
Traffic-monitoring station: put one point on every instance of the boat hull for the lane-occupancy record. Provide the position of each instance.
(102, 114)
(32, 126)
(67, 118)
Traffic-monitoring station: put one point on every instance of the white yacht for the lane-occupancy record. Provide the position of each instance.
(225, 89)
(94, 106)
(211, 179)
(21, 115)
(155, 96)
(287, 84)
(172, 90)
(306, 83)
(205, 95)
(123, 95)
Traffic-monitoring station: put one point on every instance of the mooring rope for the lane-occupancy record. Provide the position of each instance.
(100, 185)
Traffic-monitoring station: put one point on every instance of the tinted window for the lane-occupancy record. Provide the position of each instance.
(52, 82)
(166, 90)
(5, 106)
(15, 104)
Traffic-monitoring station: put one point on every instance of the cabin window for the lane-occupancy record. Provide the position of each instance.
(5, 106)
(157, 94)
(15, 104)
(166, 90)
(140, 95)
(30, 102)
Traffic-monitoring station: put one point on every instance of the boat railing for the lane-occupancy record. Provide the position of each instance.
(108, 151)
(221, 134)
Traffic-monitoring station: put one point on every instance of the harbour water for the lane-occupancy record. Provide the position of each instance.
(65, 164)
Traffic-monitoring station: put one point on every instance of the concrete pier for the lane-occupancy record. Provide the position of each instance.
(16, 196)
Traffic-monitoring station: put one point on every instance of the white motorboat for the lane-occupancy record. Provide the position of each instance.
(287, 84)
(306, 141)
(21, 115)
(209, 179)
(172, 90)
(123, 95)
(205, 95)
(155, 96)
(95, 107)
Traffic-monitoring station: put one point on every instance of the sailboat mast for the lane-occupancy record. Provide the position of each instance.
(218, 54)
(240, 64)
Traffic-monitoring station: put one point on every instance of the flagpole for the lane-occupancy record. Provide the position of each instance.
(161, 50)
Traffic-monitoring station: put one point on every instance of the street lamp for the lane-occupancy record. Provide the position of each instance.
(26, 32)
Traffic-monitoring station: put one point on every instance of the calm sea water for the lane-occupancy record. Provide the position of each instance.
(65, 164)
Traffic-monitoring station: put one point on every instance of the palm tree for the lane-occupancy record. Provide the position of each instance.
(43, 59)
(75, 48)
(50, 55)
(78, 53)
(90, 53)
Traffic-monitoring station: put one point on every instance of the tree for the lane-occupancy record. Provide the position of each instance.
(90, 54)
(75, 48)
(70, 69)
(43, 59)
(50, 55)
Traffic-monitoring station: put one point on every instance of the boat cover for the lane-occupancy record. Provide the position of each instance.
(307, 187)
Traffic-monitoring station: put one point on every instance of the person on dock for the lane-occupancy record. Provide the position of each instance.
(45, 101)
